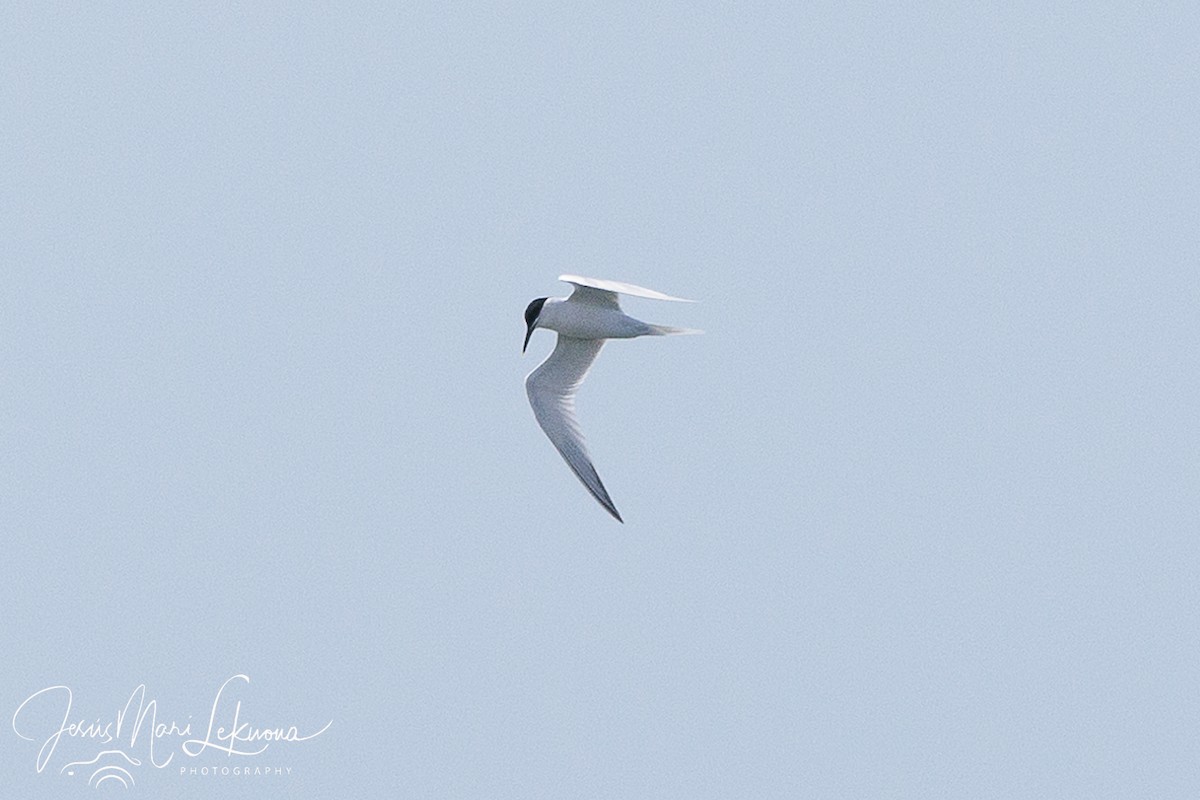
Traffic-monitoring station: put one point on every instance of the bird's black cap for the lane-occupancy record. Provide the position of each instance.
(531, 314)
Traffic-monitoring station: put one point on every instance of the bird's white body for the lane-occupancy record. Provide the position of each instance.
(583, 321)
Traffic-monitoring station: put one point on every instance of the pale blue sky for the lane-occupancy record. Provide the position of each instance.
(916, 517)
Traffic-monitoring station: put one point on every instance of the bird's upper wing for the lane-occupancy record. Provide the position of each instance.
(596, 290)
(551, 389)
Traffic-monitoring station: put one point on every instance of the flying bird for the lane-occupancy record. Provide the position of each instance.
(583, 321)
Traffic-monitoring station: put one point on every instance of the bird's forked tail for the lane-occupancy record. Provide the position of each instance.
(667, 330)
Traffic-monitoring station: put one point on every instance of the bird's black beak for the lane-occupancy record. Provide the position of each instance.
(528, 333)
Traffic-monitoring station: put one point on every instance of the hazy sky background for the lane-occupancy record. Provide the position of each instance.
(916, 517)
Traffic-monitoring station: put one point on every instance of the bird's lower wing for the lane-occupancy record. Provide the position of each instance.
(551, 389)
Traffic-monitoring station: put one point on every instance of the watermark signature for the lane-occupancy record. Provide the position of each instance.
(137, 737)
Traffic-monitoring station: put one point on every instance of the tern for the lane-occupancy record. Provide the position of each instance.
(583, 321)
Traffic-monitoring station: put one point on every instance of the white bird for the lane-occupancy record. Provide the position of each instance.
(583, 322)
